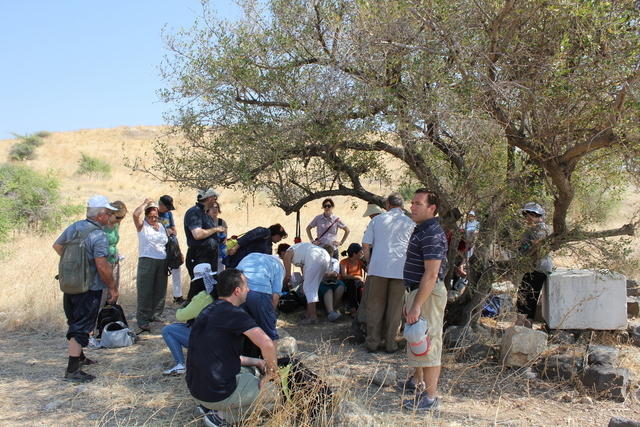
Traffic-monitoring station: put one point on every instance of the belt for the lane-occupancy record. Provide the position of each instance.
(413, 286)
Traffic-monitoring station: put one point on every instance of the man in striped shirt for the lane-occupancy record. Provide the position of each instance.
(424, 271)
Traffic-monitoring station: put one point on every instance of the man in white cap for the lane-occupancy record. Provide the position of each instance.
(201, 233)
(81, 309)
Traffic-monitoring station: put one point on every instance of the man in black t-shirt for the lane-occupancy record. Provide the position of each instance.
(218, 377)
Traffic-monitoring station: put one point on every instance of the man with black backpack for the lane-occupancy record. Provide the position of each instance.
(83, 274)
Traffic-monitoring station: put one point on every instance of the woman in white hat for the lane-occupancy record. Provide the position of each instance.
(540, 264)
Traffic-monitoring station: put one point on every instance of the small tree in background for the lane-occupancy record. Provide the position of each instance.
(88, 165)
(25, 148)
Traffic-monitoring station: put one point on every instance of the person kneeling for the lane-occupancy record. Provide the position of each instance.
(224, 383)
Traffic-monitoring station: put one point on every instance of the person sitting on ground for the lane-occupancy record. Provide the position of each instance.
(315, 261)
(225, 384)
(151, 278)
(327, 225)
(176, 335)
(265, 275)
(260, 239)
(352, 271)
(332, 289)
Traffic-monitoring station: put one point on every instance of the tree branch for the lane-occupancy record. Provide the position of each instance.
(340, 191)
(557, 241)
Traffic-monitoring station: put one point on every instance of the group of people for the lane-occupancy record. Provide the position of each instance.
(398, 272)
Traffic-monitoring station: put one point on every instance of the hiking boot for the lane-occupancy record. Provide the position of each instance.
(178, 300)
(213, 419)
(176, 370)
(333, 316)
(422, 403)
(78, 376)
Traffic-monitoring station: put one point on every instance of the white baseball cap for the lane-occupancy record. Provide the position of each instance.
(100, 202)
(417, 337)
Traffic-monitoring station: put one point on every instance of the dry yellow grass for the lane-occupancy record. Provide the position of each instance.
(129, 389)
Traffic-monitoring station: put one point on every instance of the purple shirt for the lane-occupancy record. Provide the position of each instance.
(322, 223)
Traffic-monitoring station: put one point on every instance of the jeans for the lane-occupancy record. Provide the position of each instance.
(176, 335)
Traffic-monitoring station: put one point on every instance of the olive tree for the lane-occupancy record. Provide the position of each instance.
(490, 104)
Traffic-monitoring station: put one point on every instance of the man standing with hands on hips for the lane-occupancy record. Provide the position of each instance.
(424, 271)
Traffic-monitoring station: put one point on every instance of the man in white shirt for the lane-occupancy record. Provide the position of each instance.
(389, 233)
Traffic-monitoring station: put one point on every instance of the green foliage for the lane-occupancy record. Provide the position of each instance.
(25, 148)
(43, 133)
(93, 166)
(29, 200)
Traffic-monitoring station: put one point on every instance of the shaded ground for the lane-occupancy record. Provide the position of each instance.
(130, 390)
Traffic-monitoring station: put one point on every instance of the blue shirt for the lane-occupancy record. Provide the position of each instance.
(96, 246)
(265, 273)
(427, 242)
(166, 219)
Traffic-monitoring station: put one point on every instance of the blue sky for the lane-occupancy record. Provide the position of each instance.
(77, 64)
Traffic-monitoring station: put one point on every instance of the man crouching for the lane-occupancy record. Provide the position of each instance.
(218, 377)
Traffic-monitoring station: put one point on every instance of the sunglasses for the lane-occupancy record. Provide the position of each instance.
(153, 217)
(119, 217)
(327, 206)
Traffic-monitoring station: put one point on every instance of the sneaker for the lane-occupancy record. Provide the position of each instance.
(201, 411)
(333, 316)
(142, 329)
(421, 403)
(213, 419)
(78, 377)
(179, 369)
(178, 300)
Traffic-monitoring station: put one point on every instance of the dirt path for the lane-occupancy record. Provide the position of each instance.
(130, 390)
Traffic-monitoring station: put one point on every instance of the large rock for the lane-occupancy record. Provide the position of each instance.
(622, 422)
(561, 366)
(458, 337)
(633, 290)
(607, 381)
(602, 355)
(385, 377)
(287, 346)
(634, 335)
(585, 299)
(350, 414)
(633, 307)
(521, 345)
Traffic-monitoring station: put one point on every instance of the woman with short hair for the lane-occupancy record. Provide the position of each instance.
(327, 225)
(151, 281)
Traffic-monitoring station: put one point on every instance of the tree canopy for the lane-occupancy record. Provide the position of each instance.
(490, 104)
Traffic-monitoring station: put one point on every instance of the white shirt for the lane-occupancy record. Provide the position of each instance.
(152, 242)
(389, 235)
(306, 254)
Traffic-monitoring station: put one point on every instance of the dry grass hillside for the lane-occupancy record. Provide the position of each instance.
(129, 389)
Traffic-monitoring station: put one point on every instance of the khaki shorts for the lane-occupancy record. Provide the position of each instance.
(433, 311)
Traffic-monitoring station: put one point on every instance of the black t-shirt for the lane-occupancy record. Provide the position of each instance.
(196, 217)
(215, 345)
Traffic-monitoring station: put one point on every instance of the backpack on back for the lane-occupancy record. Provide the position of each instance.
(74, 272)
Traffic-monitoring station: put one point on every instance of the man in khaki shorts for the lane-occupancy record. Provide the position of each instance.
(424, 271)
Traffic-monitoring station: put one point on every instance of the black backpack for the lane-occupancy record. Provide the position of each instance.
(108, 314)
(174, 254)
(290, 302)
(312, 397)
